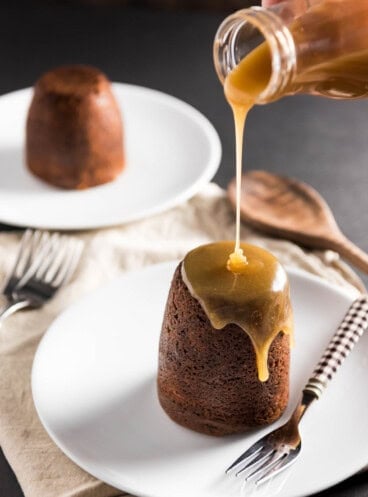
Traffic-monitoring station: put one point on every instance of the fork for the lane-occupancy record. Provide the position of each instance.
(280, 448)
(31, 242)
(44, 264)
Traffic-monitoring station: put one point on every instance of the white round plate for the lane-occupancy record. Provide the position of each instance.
(172, 151)
(94, 389)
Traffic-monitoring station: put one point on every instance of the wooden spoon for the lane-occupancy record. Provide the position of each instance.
(288, 208)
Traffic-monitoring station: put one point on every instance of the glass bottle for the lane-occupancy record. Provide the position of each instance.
(318, 47)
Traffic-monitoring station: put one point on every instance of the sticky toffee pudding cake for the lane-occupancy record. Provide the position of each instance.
(224, 346)
(74, 135)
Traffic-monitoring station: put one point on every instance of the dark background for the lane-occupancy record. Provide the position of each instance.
(322, 142)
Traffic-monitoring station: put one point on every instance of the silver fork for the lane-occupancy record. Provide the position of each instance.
(30, 245)
(44, 264)
(279, 449)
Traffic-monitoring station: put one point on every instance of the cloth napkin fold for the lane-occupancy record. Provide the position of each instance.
(41, 468)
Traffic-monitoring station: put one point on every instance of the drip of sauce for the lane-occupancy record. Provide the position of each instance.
(256, 299)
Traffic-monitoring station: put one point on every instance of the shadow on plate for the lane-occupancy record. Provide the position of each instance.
(14, 176)
(135, 427)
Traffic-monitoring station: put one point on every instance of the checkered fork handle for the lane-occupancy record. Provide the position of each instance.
(342, 343)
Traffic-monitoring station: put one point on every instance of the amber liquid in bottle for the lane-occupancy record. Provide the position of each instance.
(332, 50)
(337, 68)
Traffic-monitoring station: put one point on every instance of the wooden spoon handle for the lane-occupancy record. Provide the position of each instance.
(351, 252)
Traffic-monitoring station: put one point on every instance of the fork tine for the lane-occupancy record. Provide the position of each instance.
(260, 458)
(278, 468)
(37, 241)
(25, 253)
(40, 249)
(31, 242)
(264, 468)
(49, 256)
(74, 250)
(77, 253)
(57, 260)
(256, 447)
(23, 250)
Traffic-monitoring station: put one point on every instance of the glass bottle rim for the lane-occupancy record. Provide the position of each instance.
(274, 32)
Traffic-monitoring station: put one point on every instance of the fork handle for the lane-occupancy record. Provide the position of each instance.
(11, 307)
(342, 343)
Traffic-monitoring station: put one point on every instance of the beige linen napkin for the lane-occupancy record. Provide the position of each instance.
(41, 468)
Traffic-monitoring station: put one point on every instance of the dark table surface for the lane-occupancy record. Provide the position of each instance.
(322, 142)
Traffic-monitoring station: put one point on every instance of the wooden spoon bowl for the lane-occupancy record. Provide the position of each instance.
(287, 208)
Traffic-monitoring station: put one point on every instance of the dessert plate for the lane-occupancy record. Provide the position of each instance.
(94, 389)
(172, 151)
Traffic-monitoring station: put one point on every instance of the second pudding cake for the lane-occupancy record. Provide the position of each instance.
(224, 347)
(74, 133)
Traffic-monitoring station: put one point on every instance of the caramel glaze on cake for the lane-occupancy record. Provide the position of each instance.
(74, 136)
(209, 377)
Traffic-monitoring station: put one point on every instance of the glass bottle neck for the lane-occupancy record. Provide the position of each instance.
(243, 31)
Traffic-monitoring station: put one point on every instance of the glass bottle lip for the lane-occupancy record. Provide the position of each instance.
(274, 32)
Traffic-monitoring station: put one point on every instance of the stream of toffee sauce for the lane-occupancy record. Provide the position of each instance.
(244, 285)
(242, 87)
